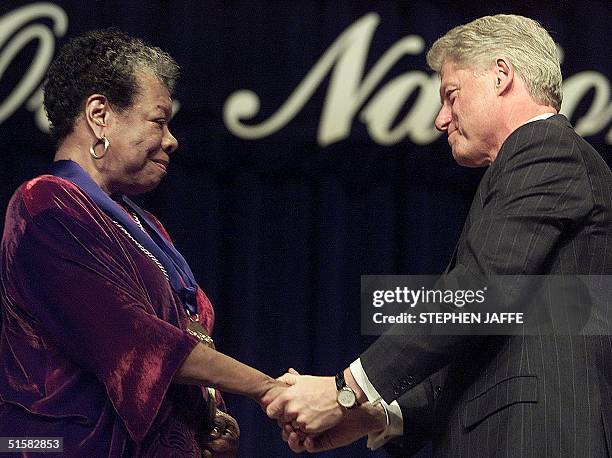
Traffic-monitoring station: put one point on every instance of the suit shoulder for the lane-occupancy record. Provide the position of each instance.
(550, 140)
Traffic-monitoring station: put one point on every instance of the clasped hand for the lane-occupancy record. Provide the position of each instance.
(311, 419)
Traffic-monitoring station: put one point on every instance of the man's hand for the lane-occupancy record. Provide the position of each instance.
(308, 405)
(224, 437)
(356, 423)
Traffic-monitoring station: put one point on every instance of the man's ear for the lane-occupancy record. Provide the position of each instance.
(504, 75)
(97, 111)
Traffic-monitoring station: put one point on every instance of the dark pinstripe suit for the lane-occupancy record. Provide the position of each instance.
(543, 207)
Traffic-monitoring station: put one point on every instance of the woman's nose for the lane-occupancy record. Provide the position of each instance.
(169, 142)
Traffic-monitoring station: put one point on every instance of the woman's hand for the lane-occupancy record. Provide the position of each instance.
(224, 437)
(273, 389)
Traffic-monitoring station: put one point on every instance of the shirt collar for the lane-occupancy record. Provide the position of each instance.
(540, 117)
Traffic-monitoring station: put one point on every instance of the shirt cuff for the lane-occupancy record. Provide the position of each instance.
(364, 382)
(395, 421)
(395, 426)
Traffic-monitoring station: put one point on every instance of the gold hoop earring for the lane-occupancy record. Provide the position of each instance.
(92, 148)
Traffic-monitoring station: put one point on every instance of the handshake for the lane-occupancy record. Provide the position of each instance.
(316, 414)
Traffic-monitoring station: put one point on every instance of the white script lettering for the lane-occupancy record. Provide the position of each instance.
(348, 91)
(15, 42)
(349, 88)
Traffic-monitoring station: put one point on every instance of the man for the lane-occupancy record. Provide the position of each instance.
(543, 207)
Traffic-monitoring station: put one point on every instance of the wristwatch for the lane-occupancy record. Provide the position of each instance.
(346, 397)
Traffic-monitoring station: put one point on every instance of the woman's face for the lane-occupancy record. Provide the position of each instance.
(140, 141)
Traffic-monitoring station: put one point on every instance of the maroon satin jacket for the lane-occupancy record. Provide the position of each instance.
(92, 333)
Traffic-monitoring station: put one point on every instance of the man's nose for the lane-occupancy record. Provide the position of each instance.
(443, 119)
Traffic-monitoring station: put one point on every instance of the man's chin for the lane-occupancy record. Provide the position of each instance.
(467, 160)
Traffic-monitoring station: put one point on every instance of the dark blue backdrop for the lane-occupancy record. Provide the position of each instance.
(278, 229)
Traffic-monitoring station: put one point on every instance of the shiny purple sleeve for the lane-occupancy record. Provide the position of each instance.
(73, 275)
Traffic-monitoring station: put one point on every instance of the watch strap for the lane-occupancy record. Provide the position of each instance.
(340, 382)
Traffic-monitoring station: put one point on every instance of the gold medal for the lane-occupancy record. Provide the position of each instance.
(195, 329)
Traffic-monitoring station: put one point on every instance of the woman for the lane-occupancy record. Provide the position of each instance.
(104, 330)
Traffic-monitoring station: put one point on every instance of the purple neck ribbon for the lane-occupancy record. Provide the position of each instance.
(180, 276)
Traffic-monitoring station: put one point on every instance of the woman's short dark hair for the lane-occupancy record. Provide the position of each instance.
(100, 62)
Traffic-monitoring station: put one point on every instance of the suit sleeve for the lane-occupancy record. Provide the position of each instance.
(417, 406)
(535, 194)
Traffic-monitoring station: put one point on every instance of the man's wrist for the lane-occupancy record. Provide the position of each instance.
(379, 418)
(351, 383)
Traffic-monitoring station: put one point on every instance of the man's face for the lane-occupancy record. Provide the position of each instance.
(469, 114)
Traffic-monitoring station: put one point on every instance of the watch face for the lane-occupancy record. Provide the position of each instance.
(346, 398)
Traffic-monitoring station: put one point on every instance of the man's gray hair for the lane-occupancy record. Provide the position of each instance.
(524, 42)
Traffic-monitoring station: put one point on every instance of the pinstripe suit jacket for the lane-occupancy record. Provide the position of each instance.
(543, 207)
